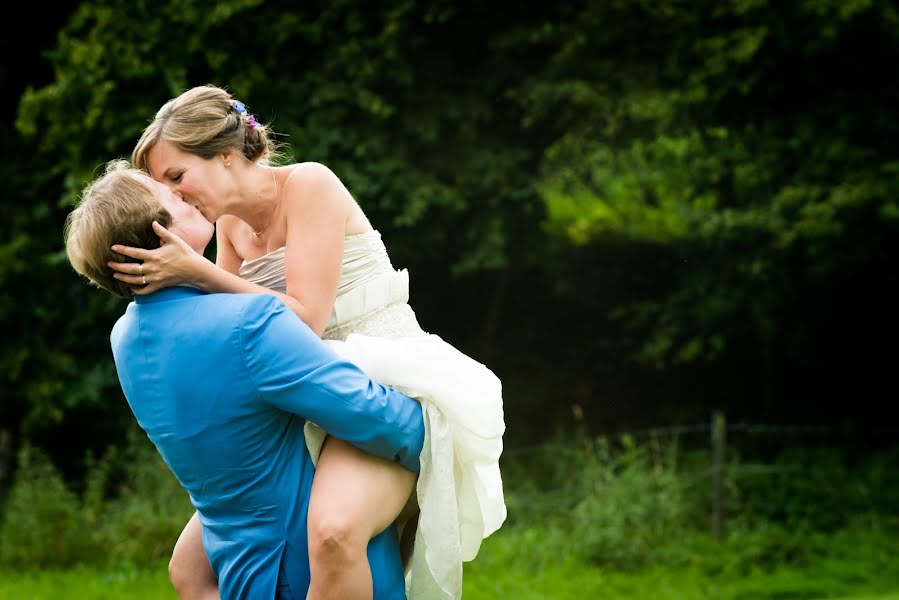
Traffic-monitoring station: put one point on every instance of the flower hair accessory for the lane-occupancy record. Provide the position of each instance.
(241, 109)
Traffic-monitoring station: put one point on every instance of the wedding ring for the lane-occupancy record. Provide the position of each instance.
(140, 269)
(145, 279)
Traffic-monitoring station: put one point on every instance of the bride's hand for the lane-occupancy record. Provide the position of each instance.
(173, 263)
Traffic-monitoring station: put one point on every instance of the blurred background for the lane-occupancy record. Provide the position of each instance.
(670, 227)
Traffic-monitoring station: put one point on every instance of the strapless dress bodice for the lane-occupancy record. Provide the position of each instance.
(368, 285)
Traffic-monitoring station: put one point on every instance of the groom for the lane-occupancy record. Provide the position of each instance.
(222, 384)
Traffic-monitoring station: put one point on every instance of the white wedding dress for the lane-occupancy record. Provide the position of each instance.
(459, 489)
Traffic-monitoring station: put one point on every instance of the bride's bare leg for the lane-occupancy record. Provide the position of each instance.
(355, 496)
(189, 569)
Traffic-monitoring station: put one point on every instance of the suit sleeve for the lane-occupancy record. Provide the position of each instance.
(295, 371)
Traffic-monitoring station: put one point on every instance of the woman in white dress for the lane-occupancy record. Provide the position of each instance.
(296, 232)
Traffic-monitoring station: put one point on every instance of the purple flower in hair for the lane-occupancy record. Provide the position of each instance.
(241, 109)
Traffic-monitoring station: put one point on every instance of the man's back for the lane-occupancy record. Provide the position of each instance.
(206, 380)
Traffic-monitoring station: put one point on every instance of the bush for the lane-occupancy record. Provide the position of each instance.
(574, 500)
(131, 511)
(618, 503)
(627, 504)
(636, 504)
(43, 523)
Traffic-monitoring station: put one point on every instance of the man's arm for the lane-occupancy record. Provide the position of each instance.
(296, 372)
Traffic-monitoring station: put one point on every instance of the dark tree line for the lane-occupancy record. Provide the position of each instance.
(645, 209)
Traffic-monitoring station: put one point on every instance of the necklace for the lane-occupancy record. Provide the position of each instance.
(274, 208)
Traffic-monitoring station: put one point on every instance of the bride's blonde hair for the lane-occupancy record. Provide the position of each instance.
(206, 121)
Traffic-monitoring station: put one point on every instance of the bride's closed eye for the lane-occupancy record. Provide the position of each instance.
(176, 178)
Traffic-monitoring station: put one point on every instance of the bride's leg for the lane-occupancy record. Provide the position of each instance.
(189, 569)
(355, 496)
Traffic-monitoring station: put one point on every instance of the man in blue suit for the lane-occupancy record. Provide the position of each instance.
(222, 384)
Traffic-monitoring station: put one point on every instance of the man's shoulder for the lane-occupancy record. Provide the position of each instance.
(246, 313)
(192, 311)
(239, 301)
(210, 317)
(250, 304)
(224, 303)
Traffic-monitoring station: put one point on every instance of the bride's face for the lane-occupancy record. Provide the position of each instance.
(187, 222)
(201, 182)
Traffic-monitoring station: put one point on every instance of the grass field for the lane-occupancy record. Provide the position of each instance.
(502, 571)
(568, 583)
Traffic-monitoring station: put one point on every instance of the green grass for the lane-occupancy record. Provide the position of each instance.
(514, 564)
(88, 584)
(577, 582)
(855, 566)
(566, 582)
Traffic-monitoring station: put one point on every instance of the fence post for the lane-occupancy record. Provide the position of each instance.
(719, 429)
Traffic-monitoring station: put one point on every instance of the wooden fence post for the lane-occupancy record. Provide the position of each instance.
(719, 430)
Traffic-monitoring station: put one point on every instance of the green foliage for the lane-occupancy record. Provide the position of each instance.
(43, 522)
(641, 185)
(624, 504)
(372, 91)
(706, 132)
(359, 96)
(817, 489)
(588, 517)
(634, 506)
(130, 511)
(629, 544)
(620, 504)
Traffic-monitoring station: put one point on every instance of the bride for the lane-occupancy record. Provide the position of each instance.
(296, 232)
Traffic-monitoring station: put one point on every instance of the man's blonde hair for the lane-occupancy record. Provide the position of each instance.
(118, 207)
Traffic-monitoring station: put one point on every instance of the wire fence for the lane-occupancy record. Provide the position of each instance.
(719, 469)
(686, 430)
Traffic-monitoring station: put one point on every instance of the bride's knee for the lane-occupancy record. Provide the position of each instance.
(335, 538)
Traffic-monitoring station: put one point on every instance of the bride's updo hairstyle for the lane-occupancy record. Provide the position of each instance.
(206, 121)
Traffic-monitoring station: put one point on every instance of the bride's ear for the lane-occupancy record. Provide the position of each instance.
(226, 157)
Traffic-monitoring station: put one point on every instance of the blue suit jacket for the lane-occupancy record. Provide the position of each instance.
(222, 385)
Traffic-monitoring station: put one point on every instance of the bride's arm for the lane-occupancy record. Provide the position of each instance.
(176, 263)
(317, 206)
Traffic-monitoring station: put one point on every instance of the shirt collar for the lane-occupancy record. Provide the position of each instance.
(170, 293)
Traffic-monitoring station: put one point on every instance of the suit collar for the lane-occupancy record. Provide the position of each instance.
(170, 293)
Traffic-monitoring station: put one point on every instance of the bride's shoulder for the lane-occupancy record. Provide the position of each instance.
(314, 184)
(310, 174)
(226, 224)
